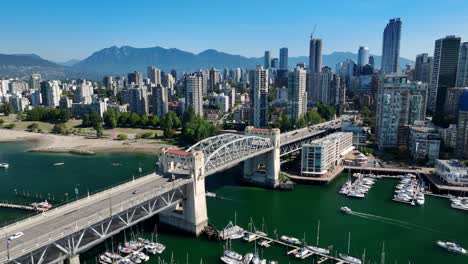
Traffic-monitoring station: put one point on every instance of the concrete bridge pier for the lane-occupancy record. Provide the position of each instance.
(191, 214)
(264, 169)
(75, 259)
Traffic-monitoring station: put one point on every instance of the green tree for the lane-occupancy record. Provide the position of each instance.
(110, 118)
(144, 120)
(134, 119)
(7, 108)
(169, 123)
(9, 126)
(99, 130)
(122, 136)
(312, 117)
(59, 128)
(123, 119)
(154, 121)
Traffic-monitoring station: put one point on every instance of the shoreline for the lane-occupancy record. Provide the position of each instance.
(80, 145)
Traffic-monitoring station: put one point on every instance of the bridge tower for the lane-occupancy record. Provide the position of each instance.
(191, 215)
(264, 169)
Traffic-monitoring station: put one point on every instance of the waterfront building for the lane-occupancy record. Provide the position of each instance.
(137, 99)
(324, 154)
(423, 68)
(444, 73)
(449, 135)
(391, 46)
(160, 100)
(297, 103)
(452, 172)
(51, 92)
(424, 142)
(462, 69)
(399, 103)
(19, 103)
(194, 92)
(267, 60)
(258, 79)
(154, 74)
(97, 105)
(283, 63)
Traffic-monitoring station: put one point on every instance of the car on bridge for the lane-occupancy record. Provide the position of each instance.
(15, 236)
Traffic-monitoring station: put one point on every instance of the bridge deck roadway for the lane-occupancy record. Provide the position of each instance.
(39, 228)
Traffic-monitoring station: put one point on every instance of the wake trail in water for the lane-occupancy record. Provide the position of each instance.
(396, 222)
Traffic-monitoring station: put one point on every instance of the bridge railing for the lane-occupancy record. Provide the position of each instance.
(31, 245)
(30, 219)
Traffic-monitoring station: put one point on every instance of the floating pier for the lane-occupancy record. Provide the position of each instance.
(18, 206)
(292, 249)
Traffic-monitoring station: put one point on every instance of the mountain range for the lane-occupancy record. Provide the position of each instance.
(121, 60)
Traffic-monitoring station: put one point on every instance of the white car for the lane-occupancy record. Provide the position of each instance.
(16, 235)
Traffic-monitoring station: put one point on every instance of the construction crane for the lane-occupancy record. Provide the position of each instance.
(312, 35)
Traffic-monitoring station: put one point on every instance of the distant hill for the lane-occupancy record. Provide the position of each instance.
(23, 65)
(121, 60)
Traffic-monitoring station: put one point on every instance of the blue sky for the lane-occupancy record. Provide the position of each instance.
(64, 29)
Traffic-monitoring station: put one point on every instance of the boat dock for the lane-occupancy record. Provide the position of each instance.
(292, 249)
(18, 206)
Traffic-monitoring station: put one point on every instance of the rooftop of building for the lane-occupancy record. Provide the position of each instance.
(453, 164)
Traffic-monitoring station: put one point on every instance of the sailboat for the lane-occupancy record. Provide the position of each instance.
(318, 249)
(347, 257)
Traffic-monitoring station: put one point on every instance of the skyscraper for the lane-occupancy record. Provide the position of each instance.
(462, 71)
(35, 81)
(154, 74)
(274, 63)
(283, 57)
(462, 127)
(315, 67)
(326, 77)
(267, 60)
(137, 100)
(399, 103)
(423, 68)
(363, 56)
(160, 100)
(214, 78)
(391, 46)
(444, 73)
(258, 79)
(194, 93)
(297, 95)
(136, 78)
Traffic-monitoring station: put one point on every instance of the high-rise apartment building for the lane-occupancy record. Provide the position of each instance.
(315, 68)
(258, 79)
(326, 77)
(154, 74)
(214, 79)
(297, 95)
(194, 92)
(462, 69)
(462, 127)
(267, 60)
(50, 93)
(399, 103)
(135, 78)
(137, 99)
(283, 57)
(35, 81)
(423, 68)
(391, 46)
(160, 100)
(83, 93)
(444, 73)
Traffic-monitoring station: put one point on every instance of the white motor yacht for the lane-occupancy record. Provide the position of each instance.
(452, 247)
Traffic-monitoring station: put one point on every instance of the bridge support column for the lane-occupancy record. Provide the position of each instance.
(191, 216)
(264, 169)
(75, 259)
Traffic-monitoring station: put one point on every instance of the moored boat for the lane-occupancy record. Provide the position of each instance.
(346, 210)
(4, 165)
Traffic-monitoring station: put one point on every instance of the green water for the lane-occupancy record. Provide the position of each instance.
(409, 232)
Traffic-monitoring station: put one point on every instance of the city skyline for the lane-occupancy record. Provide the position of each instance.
(211, 27)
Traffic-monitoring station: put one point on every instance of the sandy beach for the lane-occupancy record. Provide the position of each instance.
(80, 145)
